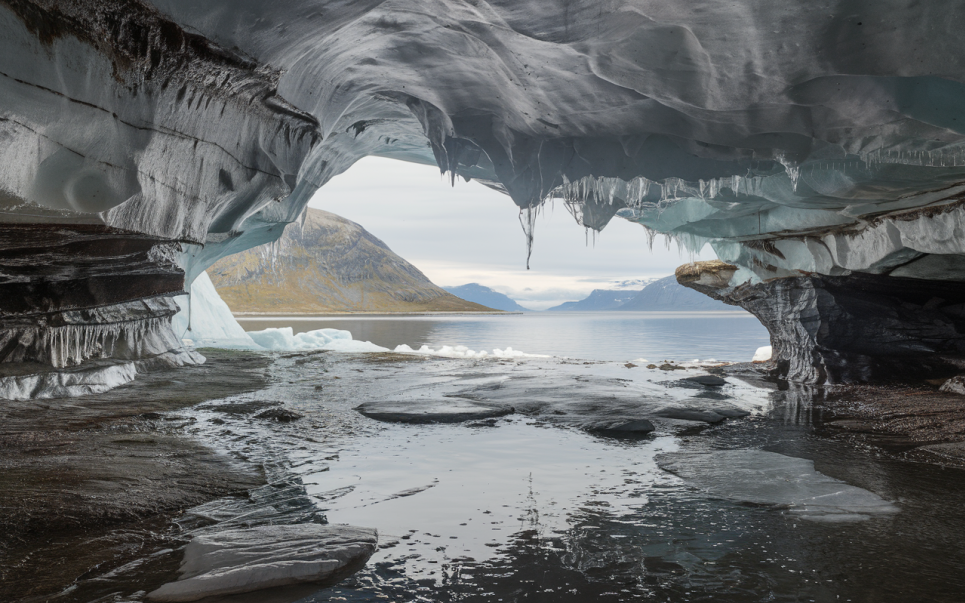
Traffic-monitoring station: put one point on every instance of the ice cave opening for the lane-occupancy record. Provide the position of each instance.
(820, 152)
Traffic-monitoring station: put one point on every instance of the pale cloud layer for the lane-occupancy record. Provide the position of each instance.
(471, 234)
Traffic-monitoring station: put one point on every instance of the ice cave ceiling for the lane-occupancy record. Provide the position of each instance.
(794, 136)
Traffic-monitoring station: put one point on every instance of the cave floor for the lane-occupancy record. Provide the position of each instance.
(98, 494)
(91, 484)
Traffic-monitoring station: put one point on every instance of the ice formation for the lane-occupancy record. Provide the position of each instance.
(336, 340)
(763, 354)
(461, 351)
(204, 320)
(775, 480)
(144, 139)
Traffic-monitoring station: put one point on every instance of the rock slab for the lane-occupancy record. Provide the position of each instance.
(247, 560)
(452, 410)
(766, 478)
(620, 427)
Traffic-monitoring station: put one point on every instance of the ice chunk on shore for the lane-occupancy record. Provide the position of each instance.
(767, 478)
(242, 561)
(285, 340)
(763, 354)
(206, 321)
(461, 351)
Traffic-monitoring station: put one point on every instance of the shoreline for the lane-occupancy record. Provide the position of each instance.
(243, 315)
(641, 313)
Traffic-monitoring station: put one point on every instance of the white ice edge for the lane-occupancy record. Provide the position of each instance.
(206, 321)
(213, 325)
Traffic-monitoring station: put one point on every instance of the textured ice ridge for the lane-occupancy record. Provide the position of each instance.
(688, 118)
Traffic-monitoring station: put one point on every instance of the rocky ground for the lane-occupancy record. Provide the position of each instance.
(919, 423)
(91, 484)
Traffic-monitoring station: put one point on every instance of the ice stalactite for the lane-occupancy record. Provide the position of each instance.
(793, 170)
(527, 219)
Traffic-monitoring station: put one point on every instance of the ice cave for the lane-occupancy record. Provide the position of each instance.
(816, 147)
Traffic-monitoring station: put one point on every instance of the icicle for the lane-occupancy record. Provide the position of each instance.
(793, 171)
(529, 225)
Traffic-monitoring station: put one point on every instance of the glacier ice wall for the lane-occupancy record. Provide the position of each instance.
(204, 319)
(142, 140)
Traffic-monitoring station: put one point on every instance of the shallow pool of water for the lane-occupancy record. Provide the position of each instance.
(531, 507)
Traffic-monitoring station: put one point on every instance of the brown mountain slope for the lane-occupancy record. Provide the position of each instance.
(328, 264)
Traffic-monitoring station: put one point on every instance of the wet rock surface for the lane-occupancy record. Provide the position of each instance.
(450, 410)
(279, 415)
(635, 427)
(919, 423)
(714, 415)
(233, 562)
(706, 380)
(535, 502)
(105, 473)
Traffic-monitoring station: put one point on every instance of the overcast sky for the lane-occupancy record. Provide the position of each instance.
(471, 234)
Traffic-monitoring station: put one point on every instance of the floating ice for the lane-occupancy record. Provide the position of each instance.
(285, 340)
(768, 478)
(461, 351)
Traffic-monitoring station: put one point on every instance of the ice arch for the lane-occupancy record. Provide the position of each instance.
(140, 141)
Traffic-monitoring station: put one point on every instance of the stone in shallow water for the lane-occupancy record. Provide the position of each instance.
(620, 428)
(712, 415)
(451, 410)
(706, 380)
(771, 479)
(281, 415)
(248, 560)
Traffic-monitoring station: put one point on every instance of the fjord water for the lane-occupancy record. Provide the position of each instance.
(655, 336)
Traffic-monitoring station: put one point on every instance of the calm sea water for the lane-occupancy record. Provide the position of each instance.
(732, 336)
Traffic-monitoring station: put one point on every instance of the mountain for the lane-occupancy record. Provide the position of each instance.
(634, 284)
(328, 264)
(667, 294)
(475, 292)
(600, 299)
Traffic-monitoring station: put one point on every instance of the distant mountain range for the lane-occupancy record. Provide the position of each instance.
(667, 294)
(485, 296)
(329, 264)
(600, 299)
(635, 284)
(662, 295)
